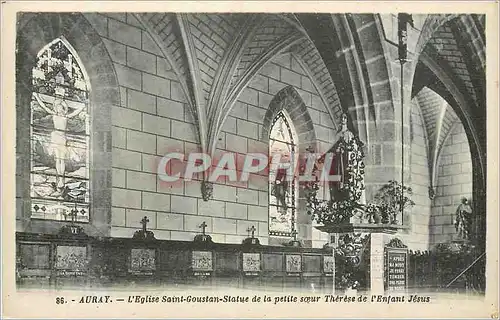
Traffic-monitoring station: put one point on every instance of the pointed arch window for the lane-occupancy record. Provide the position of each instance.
(60, 135)
(282, 183)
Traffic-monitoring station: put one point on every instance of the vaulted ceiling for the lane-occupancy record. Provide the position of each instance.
(216, 55)
(450, 81)
(438, 120)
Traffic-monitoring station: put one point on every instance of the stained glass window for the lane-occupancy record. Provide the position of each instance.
(282, 182)
(59, 135)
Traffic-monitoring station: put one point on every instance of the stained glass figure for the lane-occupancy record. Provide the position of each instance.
(59, 136)
(282, 188)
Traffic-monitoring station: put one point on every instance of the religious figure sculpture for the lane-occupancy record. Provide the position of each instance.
(463, 219)
(348, 165)
(344, 163)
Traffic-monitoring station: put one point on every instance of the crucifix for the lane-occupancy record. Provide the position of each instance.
(203, 227)
(144, 222)
(252, 230)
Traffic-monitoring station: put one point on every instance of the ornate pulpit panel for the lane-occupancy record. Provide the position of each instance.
(293, 264)
(142, 261)
(71, 260)
(251, 263)
(328, 265)
(202, 262)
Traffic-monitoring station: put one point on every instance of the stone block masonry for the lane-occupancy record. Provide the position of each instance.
(454, 182)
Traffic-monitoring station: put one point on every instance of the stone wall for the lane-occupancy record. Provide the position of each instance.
(420, 182)
(153, 118)
(243, 132)
(454, 182)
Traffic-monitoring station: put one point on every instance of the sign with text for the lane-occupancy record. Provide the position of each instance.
(396, 269)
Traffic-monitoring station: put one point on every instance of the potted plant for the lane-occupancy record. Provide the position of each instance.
(390, 200)
(373, 213)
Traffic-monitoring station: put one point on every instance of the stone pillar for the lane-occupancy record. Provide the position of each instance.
(377, 263)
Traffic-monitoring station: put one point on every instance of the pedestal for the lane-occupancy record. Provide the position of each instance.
(377, 256)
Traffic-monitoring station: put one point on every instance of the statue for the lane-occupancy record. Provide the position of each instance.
(463, 220)
(348, 165)
(347, 197)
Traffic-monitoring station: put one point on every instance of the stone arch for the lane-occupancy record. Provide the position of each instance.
(442, 82)
(37, 31)
(432, 23)
(331, 36)
(289, 100)
(380, 87)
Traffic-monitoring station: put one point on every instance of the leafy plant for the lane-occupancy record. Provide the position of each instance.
(391, 199)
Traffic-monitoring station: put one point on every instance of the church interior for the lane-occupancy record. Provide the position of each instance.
(398, 100)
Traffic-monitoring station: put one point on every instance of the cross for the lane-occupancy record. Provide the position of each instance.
(203, 226)
(294, 234)
(252, 230)
(144, 222)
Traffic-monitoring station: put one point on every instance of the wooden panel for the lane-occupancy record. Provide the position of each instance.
(251, 282)
(175, 260)
(71, 282)
(178, 263)
(272, 283)
(292, 282)
(311, 284)
(34, 283)
(272, 262)
(34, 256)
(227, 261)
(119, 259)
(312, 263)
(227, 282)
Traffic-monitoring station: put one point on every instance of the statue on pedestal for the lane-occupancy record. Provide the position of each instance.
(348, 165)
(346, 189)
(463, 220)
